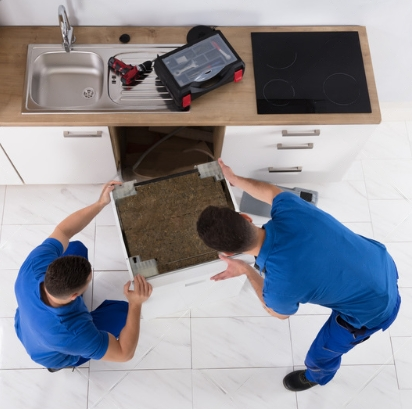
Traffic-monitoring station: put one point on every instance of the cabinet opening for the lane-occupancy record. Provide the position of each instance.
(144, 153)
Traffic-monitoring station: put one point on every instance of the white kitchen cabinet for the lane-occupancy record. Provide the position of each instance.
(8, 174)
(60, 155)
(288, 154)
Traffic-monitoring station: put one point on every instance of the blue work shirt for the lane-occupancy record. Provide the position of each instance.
(53, 337)
(310, 257)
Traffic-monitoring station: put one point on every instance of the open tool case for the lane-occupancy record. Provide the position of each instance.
(199, 67)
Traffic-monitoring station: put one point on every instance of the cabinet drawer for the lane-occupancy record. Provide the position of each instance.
(294, 153)
(60, 155)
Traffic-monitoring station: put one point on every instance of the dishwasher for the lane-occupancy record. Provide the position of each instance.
(156, 221)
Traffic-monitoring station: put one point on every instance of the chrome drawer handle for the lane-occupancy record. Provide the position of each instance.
(315, 132)
(93, 134)
(281, 146)
(292, 169)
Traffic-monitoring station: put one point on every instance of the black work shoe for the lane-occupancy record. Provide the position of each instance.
(59, 369)
(53, 369)
(296, 381)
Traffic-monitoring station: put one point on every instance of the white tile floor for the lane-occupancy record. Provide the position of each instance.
(229, 354)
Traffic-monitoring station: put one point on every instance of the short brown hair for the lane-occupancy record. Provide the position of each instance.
(225, 230)
(67, 275)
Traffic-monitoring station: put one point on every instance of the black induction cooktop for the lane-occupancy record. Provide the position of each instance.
(309, 72)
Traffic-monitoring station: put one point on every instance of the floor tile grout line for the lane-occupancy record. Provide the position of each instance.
(140, 360)
(397, 377)
(193, 389)
(381, 368)
(205, 292)
(291, 342)
(212, 368)
(406, 343)
(191, 342)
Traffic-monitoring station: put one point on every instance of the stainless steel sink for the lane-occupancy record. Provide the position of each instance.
(81, 81)
(67, 80)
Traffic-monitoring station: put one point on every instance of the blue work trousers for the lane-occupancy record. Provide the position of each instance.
(76, 248)
(334, 339)
(110, 316)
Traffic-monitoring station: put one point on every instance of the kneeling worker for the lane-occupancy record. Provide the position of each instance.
(307, 256)
(52, 321)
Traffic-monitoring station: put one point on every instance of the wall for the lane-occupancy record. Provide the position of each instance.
(388, 24)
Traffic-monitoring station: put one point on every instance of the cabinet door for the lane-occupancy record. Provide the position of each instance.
(294, 153)
(8, 175)
(60, 155)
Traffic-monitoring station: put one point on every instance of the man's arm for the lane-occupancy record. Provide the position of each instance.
(123, 348)
(238, 267)
(262, 191)
(77, 221)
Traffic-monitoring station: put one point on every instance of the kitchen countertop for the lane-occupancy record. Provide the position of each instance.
(231, 104)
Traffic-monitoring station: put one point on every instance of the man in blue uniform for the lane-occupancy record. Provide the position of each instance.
(307, 256)
(52, 321)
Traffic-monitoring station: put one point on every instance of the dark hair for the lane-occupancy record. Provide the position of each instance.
(225, 230)
(67, 275)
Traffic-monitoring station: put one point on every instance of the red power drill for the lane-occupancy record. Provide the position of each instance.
(129, 73)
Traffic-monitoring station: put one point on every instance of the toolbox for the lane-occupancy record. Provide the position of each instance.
(199, 67)
(156, 221)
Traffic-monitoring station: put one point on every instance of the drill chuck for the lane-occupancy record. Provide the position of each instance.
(129, 73)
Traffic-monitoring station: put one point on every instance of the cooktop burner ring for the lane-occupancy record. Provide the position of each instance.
(278, 92)
(283, 62)
(341, 89)
(277, 56)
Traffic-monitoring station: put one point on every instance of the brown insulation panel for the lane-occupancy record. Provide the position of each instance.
(160, 221)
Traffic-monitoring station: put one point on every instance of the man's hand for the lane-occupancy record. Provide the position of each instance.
(141, 292)
(123, 348)
(227, 172)
(77, 221)
(234, 268)
(104, 198)
(262, 191)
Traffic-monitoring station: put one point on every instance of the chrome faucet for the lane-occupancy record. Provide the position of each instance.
(66, 28)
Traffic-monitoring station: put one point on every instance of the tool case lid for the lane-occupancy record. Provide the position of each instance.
(199, 67)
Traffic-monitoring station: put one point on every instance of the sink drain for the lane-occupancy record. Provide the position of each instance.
(88, 93)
